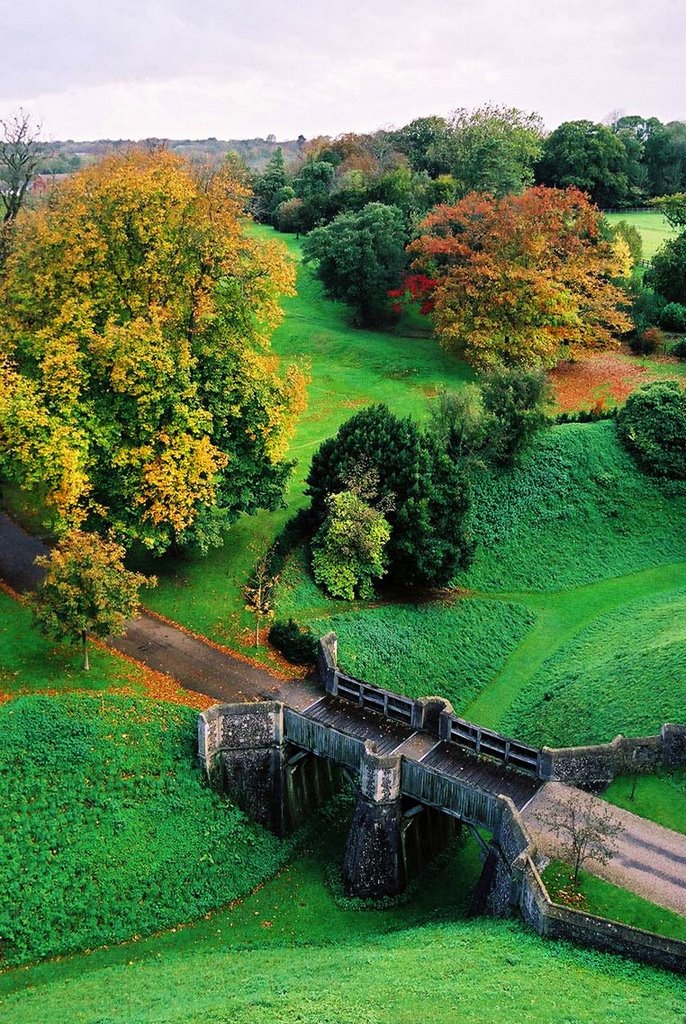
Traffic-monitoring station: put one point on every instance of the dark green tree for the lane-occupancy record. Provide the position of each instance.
(423, 142)
(422, 489)
(269, 186)
(360, 256)
(652, 425)
(589, 156)
(667, 273)
(665, 158)
(312, 185)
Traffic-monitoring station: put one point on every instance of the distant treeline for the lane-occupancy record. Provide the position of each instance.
(63, 157)
(499, 149)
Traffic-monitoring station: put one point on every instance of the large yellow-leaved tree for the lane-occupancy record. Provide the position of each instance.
(138, 391)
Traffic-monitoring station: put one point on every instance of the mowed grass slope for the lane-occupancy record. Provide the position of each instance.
(449, 649)
(349, 369)
(289, 953)
(624, 673)
(577, 510)
(108, 827)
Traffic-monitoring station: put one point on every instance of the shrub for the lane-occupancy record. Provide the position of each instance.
(673, 317)
(652, 425)
(515, 401)
(667, 274)
(297, 643)
(646, 309)
(348, 549)
(647, 341)
(679, 350)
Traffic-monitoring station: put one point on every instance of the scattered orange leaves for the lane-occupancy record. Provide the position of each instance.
(286, 672)
(159, 685)
(606, 377)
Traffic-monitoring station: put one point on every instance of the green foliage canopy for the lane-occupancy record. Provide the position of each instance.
(426, 490)
(360, 257)
(348, 548)
(652, 425)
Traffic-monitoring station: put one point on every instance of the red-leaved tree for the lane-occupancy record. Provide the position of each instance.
(521, 281)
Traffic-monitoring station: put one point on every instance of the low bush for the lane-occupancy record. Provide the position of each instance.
(644, 343)
(679, 349)
(673, 317)
(298, 644)
(652, 425)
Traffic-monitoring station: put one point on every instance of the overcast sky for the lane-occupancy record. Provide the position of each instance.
(93, 69)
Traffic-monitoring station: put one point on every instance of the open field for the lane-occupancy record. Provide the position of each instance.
(662, 798)
(289, 953)
(653, 225)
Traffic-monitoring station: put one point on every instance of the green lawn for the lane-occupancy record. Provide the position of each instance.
(31, 664)
(653, 225)
(290, 955)
(607, 900)
(623, 673)
(662, 798)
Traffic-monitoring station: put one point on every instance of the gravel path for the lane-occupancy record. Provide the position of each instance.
(197, 665)
(650, 860)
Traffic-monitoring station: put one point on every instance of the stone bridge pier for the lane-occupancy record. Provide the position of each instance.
(247, 756)
(244, 752)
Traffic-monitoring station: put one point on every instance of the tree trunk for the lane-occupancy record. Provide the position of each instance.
(632, 794)
(84, 644)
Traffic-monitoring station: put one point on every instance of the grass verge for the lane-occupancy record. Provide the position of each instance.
(606, 900)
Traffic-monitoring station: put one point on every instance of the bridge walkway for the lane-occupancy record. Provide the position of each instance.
(446, 758)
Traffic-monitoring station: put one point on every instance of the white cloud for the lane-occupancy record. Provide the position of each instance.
(135, 68)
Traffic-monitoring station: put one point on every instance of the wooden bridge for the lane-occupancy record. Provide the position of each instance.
(408, 757)
(463, 775)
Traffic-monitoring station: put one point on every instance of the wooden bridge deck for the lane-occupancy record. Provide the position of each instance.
(481, 773)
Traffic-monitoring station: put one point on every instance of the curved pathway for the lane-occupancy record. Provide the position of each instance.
(195, 664)
(649, 860)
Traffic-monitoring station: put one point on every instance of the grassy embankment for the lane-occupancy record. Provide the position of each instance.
(109, 829)
(290, 953)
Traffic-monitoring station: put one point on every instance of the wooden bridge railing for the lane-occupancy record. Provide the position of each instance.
(385, 702)
(425, 714)
(487, 743)
(322, 740)
(433, 787)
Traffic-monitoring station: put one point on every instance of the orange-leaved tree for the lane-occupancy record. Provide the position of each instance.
(523, 280)
(138, 391)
